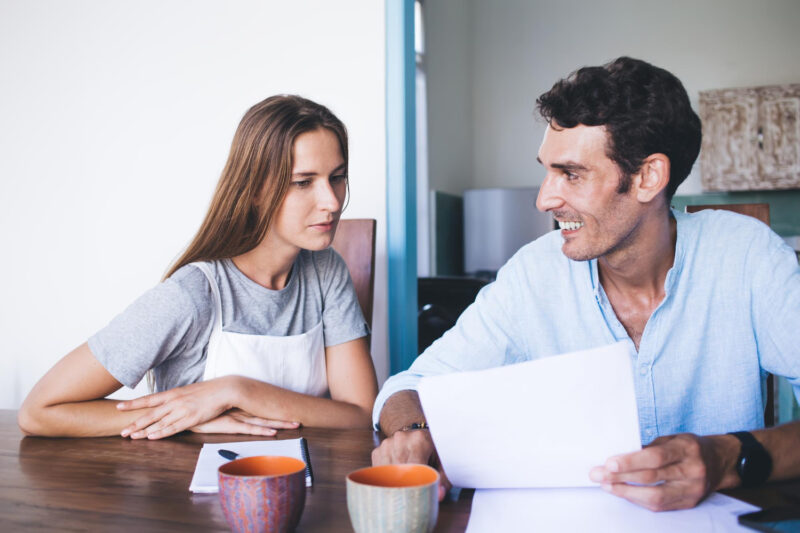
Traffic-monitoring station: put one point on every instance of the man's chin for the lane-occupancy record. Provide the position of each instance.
(577, 255)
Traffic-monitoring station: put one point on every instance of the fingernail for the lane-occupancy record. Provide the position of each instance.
(606, 487)
(119, 405)
(595, 475)
(613, 465)
(125, 432)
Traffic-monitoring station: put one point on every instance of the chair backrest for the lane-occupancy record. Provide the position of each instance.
(355, 242)
(757, 211)
(760, 212)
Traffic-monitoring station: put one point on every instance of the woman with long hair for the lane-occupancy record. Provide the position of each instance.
(256, 327)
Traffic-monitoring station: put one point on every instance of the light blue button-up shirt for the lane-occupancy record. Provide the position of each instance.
(731, 313)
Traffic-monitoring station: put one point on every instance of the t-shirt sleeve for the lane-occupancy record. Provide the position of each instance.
(154, 328)
(342, 319)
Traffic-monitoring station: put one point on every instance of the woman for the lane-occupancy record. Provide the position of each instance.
(255, 322)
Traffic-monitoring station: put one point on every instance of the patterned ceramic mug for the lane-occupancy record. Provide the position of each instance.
(262, 494)
(393, 498)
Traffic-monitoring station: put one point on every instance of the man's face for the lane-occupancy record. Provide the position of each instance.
(580, 190)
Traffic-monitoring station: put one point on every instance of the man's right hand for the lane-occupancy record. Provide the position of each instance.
(414, 446)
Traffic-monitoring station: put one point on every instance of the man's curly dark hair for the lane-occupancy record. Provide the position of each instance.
(645, 110)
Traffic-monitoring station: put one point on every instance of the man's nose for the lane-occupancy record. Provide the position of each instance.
(549, 197)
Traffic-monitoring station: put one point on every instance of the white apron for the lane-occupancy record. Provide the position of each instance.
(294, 362)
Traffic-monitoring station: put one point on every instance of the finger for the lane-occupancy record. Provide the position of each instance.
(444, 485)
(172, 422)
(144, 421)
(265, 422)
(651, 476)
(151, 400)
(227, 424)
(664, 497)
(652, 457)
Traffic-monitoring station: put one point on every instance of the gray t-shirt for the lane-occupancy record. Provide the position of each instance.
(168, 328)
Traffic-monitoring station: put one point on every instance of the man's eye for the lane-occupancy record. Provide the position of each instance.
(339, 178)
(302, 184)
(570, 176)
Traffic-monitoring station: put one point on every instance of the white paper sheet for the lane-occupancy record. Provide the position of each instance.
(542, 423)
(592, 509)
(208, 462)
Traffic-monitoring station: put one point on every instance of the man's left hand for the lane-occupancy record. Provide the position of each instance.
(673, 472)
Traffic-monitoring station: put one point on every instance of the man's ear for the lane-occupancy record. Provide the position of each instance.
(652, 178)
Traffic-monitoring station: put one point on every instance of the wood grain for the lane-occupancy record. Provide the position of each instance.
(115, 484)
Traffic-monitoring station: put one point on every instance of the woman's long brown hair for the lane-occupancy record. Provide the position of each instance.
(256, 176)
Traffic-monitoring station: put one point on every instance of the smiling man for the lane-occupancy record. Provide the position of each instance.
(709, 302)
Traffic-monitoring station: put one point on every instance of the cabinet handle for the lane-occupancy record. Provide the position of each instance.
(760, 138)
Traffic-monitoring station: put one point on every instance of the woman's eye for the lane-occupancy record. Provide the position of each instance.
(302, 184)
(339, 178)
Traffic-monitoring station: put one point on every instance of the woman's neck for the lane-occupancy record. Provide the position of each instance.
(268, 264)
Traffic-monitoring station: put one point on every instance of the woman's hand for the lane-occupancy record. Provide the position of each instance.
(178, 409)
(236, 421)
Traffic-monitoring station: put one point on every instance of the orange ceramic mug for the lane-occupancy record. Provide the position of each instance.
(393, 498)
(263, 493)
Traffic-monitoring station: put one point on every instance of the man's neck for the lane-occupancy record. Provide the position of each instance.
(640, 268)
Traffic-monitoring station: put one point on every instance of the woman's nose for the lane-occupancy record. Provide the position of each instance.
(327, 198)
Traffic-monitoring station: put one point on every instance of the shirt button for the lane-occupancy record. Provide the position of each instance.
(643, 370)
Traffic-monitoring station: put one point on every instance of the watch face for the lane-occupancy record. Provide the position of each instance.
(754, 466)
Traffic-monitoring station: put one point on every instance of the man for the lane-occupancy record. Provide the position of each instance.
(709, 301)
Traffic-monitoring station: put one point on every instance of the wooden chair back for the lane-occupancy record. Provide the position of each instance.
(757, 211)
(760, 212)
(355, 242)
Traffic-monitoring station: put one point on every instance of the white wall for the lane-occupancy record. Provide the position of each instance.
(115, 121)
(448, 64)
(518, 48)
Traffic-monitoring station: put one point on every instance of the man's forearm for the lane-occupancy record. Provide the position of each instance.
(782, 443)
(400, 410)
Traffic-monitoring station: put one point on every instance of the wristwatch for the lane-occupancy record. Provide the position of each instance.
(754, 464)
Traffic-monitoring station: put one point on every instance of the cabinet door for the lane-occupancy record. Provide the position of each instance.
(779, 136)
(729, 153)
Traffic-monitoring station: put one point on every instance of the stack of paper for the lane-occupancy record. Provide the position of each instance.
(209, 460)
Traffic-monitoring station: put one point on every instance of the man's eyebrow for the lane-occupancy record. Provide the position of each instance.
(341, 167)
(569, 165)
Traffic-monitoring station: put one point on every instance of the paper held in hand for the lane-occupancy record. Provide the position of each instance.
(542, 423)
(209, 460)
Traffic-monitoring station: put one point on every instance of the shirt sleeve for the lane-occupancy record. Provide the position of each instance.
(154, 328)
(776, 307)
(342, 319)
(486, 335)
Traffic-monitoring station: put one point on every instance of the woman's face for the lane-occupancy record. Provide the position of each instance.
(308, 216)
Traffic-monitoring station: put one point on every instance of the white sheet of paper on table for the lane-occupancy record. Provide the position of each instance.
(592, 509)
(542, 423)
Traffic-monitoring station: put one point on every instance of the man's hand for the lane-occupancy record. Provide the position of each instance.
(673, 472)
(415, 446)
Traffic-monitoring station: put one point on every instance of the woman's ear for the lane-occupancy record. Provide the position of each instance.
(652, 177)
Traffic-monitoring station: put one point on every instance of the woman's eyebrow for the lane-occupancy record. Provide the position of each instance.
(310, 174)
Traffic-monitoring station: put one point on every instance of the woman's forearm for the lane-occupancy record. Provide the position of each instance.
(269, 401)
(94, 418)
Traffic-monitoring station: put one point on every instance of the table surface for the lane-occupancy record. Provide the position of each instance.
(112, 483)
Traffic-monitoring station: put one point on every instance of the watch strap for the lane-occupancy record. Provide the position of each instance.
(754, 464)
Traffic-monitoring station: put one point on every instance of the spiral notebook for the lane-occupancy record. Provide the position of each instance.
(209, 460)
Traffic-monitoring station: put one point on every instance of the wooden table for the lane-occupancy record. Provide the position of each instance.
(115, 484)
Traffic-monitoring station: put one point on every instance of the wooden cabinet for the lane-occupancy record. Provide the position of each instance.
(751, 138)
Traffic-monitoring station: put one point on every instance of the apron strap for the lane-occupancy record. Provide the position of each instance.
(205, 269)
